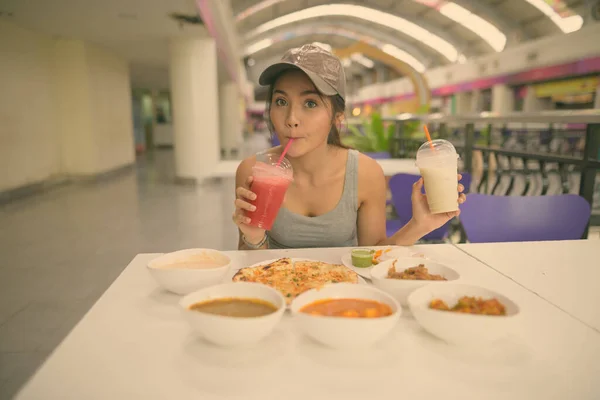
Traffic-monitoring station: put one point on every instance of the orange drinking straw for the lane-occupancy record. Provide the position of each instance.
(428, 136)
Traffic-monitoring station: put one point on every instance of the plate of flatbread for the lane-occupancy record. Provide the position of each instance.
(293, 276)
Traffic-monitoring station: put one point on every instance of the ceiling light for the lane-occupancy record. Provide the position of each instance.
(571, 22)
(479, 26)
(346, 62)
(378, 17)
(364, 61)
(258, 46)
(323, 45)
(403, 56)
(256, 8)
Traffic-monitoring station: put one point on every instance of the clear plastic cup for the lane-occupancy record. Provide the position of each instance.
(439, 169)
(270, 182)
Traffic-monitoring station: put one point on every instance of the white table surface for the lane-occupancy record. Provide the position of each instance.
(395, 166)
(134, 344)
(566, 273)
(227, 168)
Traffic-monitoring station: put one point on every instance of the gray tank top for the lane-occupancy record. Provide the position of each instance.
(336, 228)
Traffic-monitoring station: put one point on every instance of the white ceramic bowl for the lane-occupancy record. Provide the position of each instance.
(459, 328)
(400, 288)
(340, 332)
(233, 331)
(185, 280)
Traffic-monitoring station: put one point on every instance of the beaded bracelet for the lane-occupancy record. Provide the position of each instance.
(255, 246)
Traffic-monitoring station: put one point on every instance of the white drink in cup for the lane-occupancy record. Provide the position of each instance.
(438, 163)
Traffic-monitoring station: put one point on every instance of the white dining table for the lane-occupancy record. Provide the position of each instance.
(134, 344)
(390, 167)
(565, 273)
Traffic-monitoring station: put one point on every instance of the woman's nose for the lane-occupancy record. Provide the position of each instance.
(291, 120)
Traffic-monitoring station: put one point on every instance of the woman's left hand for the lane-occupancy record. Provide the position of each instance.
(423, 217)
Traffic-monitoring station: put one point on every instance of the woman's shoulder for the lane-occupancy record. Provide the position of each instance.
(368, 168)
(371, 180)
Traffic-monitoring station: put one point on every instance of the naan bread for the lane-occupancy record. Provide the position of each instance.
(292, 279)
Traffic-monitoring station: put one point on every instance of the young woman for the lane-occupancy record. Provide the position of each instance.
(338, 195)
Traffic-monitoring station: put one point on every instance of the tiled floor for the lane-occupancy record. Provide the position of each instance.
(59, 251)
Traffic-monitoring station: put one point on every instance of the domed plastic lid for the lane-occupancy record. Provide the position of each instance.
(438, 151)
(266, 162)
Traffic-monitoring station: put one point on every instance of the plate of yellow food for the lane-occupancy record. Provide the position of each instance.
(294, 276)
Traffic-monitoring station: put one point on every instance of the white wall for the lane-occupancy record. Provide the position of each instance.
(112, 120)
(65, 108)
(73, 110)
(29, 146)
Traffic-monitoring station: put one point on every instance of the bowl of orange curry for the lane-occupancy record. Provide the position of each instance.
(399, 277)
(345, 315)
(464, 314)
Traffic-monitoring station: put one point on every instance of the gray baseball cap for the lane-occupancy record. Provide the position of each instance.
(323, 68)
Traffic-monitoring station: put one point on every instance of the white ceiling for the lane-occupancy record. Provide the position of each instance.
(517, 19)
(139, 30)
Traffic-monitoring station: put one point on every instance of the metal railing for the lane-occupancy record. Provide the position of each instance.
(517, 153)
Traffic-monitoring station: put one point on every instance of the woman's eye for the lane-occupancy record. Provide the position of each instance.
(311, 104)
(280, 102)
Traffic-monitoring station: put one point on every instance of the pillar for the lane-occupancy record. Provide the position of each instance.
(531, 103)
(463, 103)
(503, 99)
(230, 111)
(476, 101)
(195, 98)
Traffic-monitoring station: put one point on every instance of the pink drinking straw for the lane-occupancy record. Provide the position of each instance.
(287, 146)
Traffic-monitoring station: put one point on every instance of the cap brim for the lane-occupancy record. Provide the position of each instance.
(272, 72)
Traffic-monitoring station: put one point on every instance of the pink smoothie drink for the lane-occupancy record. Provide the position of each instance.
(270, 182)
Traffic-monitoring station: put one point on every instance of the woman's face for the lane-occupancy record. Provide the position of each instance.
(299, 112)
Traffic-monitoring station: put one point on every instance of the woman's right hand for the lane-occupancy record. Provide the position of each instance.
(243, 194)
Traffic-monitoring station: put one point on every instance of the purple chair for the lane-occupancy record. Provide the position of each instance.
(487, 218)
(379, 155)
(401, 188)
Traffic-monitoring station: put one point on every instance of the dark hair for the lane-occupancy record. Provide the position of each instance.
(338, 105)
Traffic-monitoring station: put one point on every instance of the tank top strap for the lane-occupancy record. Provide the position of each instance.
(350, 194)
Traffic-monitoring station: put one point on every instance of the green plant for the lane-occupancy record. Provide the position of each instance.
(373, 136)
(484, 136)
(414, 129)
